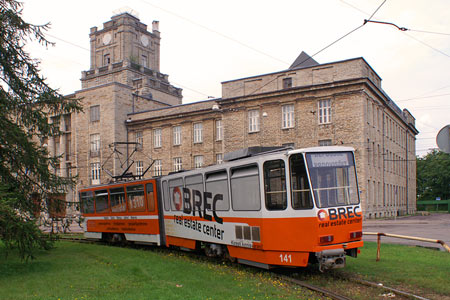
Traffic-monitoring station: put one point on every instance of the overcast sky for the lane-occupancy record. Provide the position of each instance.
(207, 42)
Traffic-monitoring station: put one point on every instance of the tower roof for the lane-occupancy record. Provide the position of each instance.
(303, 61)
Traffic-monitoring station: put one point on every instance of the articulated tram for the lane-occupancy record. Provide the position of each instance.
(280, 208)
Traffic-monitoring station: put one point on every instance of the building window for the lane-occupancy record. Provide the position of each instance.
(253, 120)
(139, 139)
(95, 173)
(198, 132)
(324, 143)
(68, 170)
(198, 161)
(324, 111)
(287, 82)
(95, 144)
(67, 123)
(57, 147)
(219, 158)
(95, 113)
(288, 116)
(177, 164)
(139, 168)
(106, 59)
(144, 61)
(58, 170)
(288, 145)
(157, 167)
(219, 130)
(177, 135)
(56, 122)
(157, 137)
(68, 146)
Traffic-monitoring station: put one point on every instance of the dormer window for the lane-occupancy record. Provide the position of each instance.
(287, 82)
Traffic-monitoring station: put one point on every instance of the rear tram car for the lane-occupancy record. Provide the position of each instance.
(281, 208)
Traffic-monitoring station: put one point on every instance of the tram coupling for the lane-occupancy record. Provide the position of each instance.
(331, 259)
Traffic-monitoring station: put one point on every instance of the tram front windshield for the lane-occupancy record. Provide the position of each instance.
(333, 178)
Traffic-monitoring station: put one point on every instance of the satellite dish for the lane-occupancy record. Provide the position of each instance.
(443, 139)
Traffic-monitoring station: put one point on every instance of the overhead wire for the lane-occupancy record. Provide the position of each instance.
(268, 55)
(215, 31)
(424, 97)
(86, 49)
(326, 47)
(425, 44)
(426, 93)
(67, 42)
(432, 32)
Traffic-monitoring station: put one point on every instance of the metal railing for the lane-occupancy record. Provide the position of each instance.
(380, 234)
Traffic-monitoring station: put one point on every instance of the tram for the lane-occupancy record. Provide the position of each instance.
(287, 208)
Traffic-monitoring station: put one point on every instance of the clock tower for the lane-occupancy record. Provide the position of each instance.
(124, 51)
(123, 80)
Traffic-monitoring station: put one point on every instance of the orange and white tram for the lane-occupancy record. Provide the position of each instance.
(280, 208)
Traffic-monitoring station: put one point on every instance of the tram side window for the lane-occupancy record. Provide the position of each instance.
(150, 197)
(195, 186)
(117, 199)
(275, 185)
(87, 202)
(217, 183)
(101, 201)
(301, 192)
(165, 192)
(135, 197)
(245, 193)
(176, 194)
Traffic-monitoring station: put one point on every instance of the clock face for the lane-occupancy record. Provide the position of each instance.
(106, 39)
(144, 40)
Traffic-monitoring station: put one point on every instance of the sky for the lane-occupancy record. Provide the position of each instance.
(206, 42)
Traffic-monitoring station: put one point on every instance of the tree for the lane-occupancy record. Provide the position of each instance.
(433, 176)
(26, 104)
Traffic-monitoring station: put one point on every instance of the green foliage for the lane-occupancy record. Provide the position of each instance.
(26, 103)
(16, 231)
(433, 176)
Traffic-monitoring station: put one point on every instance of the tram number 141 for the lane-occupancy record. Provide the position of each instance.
(286, 258)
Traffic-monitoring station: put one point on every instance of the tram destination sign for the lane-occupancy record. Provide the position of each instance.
(324, 160)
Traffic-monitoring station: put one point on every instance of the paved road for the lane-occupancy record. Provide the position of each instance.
(434, 226)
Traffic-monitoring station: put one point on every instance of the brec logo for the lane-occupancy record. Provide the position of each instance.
(339, 213)
(177, 198)
(194, 201)
(322, 215)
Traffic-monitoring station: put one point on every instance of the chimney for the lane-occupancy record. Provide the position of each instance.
(155, 25)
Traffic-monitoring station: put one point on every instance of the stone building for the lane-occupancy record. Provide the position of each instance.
(310, 104)
(127, 99)
(124, 77)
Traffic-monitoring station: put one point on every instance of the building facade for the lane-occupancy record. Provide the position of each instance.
(340, 103)
(127, 100)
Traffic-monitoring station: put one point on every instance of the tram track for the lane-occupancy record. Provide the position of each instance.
(292, 280)
(321, 290)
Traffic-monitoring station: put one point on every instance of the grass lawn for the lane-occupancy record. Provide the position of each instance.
(406, 267)
(86, 271)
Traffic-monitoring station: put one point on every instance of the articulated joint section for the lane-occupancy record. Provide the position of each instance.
(331, 259)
